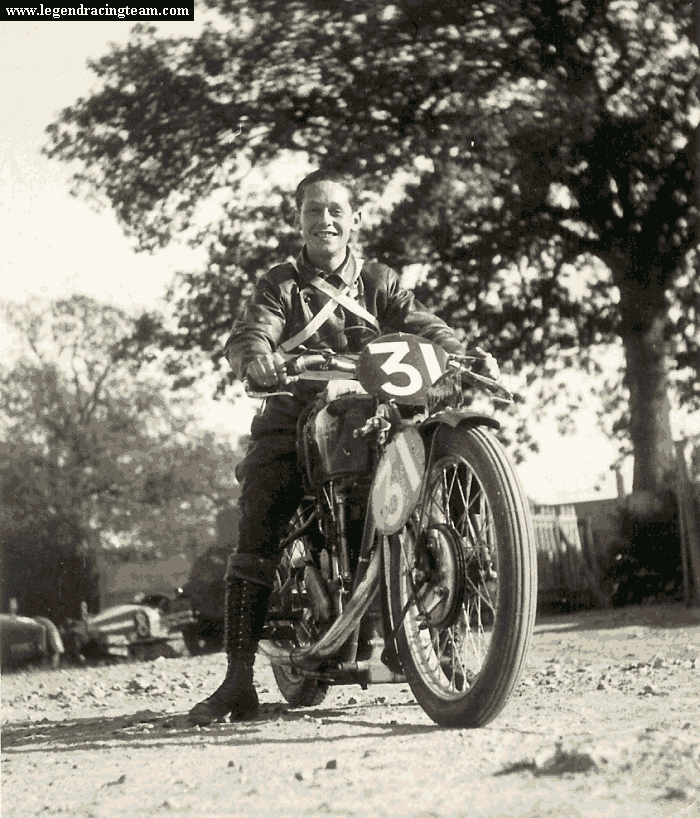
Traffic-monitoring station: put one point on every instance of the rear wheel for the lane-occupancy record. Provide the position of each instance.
(289, 594)
(298, 690)
(465, 568)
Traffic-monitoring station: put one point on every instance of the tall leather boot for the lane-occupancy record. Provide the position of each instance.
(246, 608)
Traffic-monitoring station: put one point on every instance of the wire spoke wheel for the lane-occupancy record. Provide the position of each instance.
(466, 563)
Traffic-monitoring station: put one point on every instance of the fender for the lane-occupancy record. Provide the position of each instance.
(457, 418)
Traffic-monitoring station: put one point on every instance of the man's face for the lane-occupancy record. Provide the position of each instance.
(327, 220)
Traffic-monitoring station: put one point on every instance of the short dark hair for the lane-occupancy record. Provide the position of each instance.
(348, 181)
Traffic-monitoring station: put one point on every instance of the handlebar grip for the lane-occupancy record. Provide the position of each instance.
(318, 361)
(302, 363)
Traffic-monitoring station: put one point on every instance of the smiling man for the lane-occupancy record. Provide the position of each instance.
(327, 218)
(328, 298)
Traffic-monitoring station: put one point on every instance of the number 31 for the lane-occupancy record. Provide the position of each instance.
(395, 365)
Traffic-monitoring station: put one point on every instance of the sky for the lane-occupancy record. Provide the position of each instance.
(54, 245)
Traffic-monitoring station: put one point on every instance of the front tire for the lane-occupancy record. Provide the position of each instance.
(467, 561)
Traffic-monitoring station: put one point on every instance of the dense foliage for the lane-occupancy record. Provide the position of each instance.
(88, 439)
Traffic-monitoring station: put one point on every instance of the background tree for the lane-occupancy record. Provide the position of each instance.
(91, 444)
(539, 157)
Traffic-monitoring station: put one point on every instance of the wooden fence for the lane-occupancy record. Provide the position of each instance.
(566, 559)
(688, 494)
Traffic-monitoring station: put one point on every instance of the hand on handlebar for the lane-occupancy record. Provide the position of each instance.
(486, 364)
(267, 371)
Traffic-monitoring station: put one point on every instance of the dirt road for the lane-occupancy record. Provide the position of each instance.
(606, 722)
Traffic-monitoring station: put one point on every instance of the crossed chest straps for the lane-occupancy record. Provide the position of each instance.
(337, 297)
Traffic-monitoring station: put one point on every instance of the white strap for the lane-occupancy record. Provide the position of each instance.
(341, 298)
(336, 297)
(313, 326)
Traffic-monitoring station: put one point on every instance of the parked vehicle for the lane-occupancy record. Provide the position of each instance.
(412, 555)
(144, 629)
(26, 639)
(204, 591)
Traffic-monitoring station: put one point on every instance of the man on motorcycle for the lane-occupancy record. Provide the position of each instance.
(327, 299)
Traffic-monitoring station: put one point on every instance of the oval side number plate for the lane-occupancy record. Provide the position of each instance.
(397, 481)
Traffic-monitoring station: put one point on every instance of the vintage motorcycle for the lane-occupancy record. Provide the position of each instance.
(411, 558)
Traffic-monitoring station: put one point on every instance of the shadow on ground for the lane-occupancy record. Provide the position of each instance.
(151, 729)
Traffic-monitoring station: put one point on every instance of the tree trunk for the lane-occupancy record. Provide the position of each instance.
(646, 378)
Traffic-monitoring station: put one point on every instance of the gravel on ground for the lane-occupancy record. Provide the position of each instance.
(605, 721)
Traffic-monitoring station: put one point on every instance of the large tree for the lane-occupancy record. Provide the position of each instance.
(539, 154)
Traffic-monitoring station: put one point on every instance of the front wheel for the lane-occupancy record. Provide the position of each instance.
(463, 573)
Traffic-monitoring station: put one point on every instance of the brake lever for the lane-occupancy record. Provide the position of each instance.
(496, 390)
(263, 395)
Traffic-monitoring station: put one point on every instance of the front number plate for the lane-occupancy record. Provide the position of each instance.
(401, 367)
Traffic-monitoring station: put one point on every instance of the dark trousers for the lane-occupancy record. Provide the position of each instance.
(271, 490)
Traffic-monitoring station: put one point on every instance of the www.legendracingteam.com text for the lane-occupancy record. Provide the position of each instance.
(101, 12)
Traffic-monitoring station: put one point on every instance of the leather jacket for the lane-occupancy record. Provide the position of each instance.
(284, 302)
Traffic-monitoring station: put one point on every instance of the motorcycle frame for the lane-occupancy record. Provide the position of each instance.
(333, 657)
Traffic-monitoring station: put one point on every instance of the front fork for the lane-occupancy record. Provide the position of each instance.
(390, 546)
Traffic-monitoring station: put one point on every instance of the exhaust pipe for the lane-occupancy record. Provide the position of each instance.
(340, 631)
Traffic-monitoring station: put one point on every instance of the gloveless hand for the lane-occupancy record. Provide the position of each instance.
(267, 370)
(488, 365)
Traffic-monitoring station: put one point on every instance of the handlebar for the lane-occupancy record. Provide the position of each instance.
(312, 366)
(326, 365)
(318, 362)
